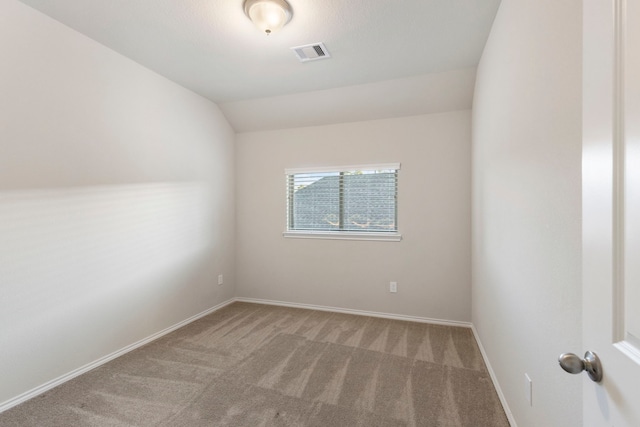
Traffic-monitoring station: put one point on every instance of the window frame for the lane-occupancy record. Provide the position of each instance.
(386, 236)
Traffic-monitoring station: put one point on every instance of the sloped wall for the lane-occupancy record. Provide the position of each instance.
(116, 201)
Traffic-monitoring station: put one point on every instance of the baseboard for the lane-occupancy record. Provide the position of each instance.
(494, 379)
(357, 312)
(86, 368)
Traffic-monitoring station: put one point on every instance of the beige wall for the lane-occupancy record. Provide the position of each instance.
(527, 208)
(432, 262)
(116, 201)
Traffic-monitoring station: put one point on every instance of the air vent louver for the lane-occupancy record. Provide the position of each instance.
(311, 52)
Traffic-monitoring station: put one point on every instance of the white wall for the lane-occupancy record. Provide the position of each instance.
(432, 262)
(409, 96)
(116, 201)
(526, 205)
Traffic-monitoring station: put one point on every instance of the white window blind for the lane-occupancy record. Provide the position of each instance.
(350, 199)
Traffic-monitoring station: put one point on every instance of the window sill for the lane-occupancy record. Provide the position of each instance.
(343, 235)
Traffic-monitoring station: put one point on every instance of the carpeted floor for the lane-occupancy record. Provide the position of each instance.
(255, 365)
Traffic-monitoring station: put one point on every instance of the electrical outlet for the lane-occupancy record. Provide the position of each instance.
(220, 279)
(528, 389)
(393, 287)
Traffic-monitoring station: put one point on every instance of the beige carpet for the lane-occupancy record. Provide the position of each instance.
(255, 365)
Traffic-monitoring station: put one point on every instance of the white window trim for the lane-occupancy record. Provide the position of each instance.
(343, 235)
(379, 166)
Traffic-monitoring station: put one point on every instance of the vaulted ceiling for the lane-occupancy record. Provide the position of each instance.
(388, 57)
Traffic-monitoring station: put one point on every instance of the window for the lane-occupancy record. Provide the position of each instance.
(349, 202)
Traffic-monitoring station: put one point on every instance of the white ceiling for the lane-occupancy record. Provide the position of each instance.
(210, 47)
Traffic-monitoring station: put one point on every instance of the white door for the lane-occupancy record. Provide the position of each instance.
(611, 209)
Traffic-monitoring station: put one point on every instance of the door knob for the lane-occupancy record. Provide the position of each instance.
(574, 364)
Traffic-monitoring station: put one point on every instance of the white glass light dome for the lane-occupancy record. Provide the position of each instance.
(268, 15)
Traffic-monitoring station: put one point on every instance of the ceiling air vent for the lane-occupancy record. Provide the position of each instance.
(311, 52)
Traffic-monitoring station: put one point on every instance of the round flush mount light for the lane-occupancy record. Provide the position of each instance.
(268, 15)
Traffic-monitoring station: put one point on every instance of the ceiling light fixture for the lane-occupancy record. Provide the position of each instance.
(268, 15)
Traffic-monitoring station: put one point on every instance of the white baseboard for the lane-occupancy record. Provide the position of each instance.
(494, 379)
(86, 368)
(357, 312)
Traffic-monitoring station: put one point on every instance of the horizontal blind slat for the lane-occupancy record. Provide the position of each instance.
(365, 199)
